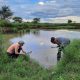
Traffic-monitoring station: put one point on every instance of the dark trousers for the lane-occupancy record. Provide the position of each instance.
(61, 48)
(59, 53)
(13, 55)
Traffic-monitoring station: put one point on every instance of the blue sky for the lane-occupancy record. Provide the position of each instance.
(45, 9)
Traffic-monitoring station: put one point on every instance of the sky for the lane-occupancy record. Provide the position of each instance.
(43, 9)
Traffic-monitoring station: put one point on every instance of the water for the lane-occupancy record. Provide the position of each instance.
(38, 41)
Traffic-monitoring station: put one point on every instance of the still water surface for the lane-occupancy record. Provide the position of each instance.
(38, 41)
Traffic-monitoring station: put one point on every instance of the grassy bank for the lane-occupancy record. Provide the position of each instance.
(69, 67)
(23, 68)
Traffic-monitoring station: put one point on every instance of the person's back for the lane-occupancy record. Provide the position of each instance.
(63, 41)
(12, 48)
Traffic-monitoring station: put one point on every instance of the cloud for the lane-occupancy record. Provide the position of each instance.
(57, 8)
(65, 19)
(1, 2)
(43, 8)
(65, 12)
(41, 3)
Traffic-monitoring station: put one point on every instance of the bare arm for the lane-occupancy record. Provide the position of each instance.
(17, 52)
(23, 51)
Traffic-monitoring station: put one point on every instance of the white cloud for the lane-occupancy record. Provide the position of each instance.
(65, 11)
(41, 3)
(65, 19)
(1, 2)
(27, 20)
(52, 2)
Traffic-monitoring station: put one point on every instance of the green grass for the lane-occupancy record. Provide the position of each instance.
(23, 68)
(69, 67)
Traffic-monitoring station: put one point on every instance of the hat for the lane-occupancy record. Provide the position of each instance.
(21, 42)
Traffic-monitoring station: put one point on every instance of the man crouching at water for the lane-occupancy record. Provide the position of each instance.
(14, 50)
(61, 42)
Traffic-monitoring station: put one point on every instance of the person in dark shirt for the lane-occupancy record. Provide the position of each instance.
(61, 42)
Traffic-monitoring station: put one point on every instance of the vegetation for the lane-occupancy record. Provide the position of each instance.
(36, 20)
(9, 27)
(69, 21)
(23, 68)
(69, 67)
(5, 12)
(17, 19)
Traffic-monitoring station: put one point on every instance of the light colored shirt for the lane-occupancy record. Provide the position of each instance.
(63, 41)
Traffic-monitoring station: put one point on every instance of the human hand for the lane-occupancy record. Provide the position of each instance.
(53, 47)
(29, 52)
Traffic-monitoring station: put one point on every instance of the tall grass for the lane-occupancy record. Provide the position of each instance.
(23, 68)
(69, 67)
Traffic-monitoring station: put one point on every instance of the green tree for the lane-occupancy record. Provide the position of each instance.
(36, 20)
(5, 12)
(17, 19)
(69, 21)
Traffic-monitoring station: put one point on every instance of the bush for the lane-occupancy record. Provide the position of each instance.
(5, 23)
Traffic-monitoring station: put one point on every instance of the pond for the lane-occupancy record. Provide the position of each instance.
(38, 41)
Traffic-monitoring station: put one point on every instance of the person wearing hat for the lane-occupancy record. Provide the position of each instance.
(14, 50)
(61, 42)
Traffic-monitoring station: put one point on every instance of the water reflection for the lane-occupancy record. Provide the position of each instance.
(35, 32)
(38, 41)
(22, 32)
